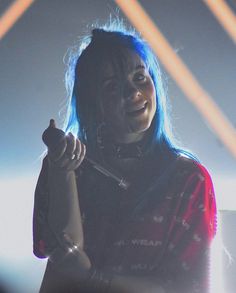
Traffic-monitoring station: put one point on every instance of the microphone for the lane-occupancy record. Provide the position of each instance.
(53, 136)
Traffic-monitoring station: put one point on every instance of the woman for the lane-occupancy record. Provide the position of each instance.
(152, 235)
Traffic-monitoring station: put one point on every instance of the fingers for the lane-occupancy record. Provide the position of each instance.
(73, 154)
(71, 145)
(77, 157)
(79, 153)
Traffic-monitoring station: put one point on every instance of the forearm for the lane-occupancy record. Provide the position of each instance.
(64, 212)
(64, 216)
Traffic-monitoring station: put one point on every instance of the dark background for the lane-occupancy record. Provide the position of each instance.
(32, 91)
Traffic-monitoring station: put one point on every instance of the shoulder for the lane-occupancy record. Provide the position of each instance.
(197, 191)
(187, 168)
(191, 182)
(196, 184)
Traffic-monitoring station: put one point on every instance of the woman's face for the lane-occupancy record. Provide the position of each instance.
(128, 97)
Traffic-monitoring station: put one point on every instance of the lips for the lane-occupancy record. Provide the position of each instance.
(137, 110)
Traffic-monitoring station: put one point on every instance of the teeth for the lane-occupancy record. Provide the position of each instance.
(138, 109)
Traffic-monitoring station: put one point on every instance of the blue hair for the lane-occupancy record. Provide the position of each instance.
(104, 39)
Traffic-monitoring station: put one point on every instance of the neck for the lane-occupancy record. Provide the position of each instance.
(129, 138)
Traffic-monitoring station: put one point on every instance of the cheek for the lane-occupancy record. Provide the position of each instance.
(106, 104)
(112, 103)
(154, 101)
(112, 112)
(148, 87)
(151, 94)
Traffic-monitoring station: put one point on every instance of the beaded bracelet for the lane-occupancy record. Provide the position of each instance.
(96, 281)
(66, 246)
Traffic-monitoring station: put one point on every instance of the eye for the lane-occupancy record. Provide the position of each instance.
(140, 77)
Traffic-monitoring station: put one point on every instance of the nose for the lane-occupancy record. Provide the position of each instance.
(130, 91)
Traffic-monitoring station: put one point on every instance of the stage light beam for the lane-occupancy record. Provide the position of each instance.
(180, 73)
(224, 15)
(12, 14)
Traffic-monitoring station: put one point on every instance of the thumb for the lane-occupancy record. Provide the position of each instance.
(52, 123)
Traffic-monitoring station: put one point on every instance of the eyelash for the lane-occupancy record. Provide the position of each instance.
(138, 75)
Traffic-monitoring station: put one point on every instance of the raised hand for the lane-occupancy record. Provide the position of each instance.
(64, 151)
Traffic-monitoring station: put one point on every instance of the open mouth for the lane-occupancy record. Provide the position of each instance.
(137, 112)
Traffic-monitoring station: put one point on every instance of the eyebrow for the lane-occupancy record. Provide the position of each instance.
(139, 66)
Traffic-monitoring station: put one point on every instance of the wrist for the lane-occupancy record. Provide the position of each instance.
(55, 168)
(74, 265)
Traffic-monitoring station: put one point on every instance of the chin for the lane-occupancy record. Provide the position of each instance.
(141, 127)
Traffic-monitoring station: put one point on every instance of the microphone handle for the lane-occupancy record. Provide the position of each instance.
(124, 184)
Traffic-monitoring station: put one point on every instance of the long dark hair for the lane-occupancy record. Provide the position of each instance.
(83, 114)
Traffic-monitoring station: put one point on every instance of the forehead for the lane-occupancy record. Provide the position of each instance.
(124, 61)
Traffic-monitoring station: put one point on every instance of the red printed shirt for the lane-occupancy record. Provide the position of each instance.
(162, 228)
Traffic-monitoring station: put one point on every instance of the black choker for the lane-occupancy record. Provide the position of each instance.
(124, 151)
(110, 148)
